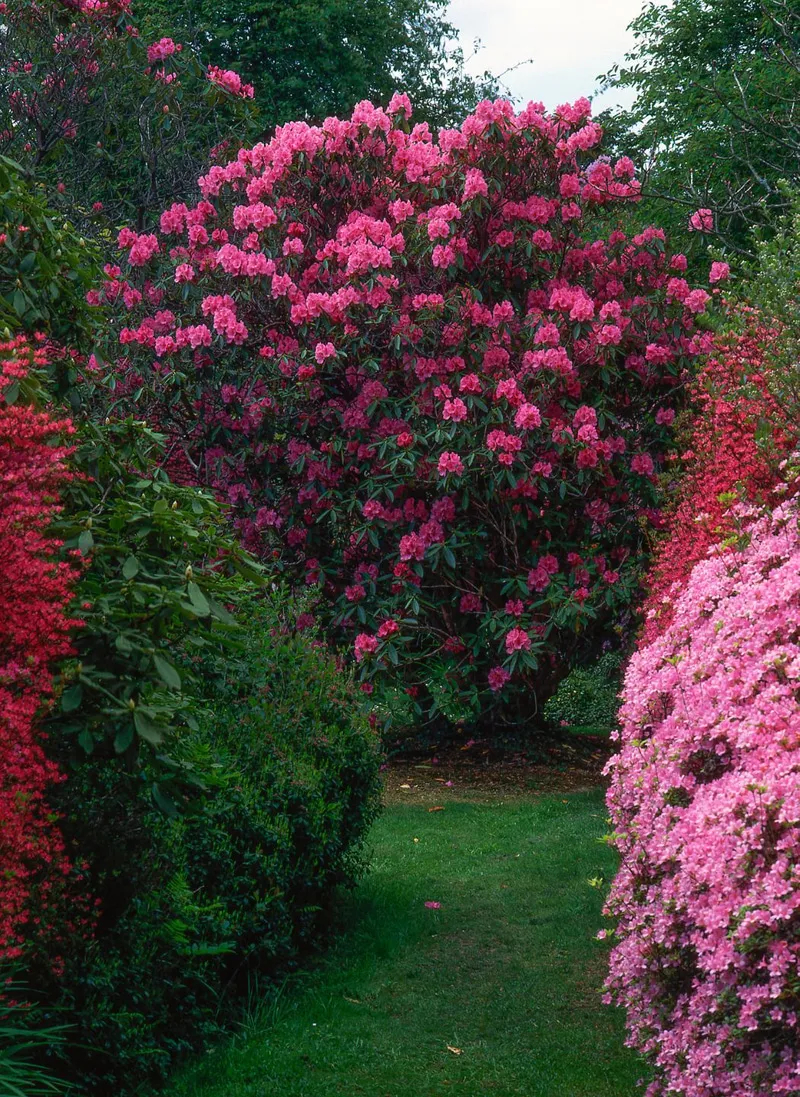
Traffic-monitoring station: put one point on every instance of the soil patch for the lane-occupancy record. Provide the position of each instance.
(479, 771)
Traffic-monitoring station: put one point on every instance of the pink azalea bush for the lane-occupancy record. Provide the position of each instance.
(705, 801)
(426, 377)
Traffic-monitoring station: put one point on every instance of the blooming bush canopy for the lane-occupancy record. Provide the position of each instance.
(705, 801)
(423, 377)
(740, 434)
(35, 590)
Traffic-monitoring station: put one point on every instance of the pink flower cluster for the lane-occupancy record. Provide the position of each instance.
(705, 803)
(231, 82)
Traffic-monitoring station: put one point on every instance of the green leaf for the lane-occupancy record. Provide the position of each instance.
(198, 600)
(20, 303)
(123, 739)
(85, 741)
(221, 613)
(167, 672)
(450, 559)
(147, 729)
(85, 542)
(164, 802)
(130, 568)
(71, 698)
(11, 393)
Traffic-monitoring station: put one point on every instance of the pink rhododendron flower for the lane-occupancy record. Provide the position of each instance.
(498, 677)
(702, 220)
(642, 463)
(517, 639)
(720, 272)
(455, 410)
(324, 351)
(450, 462)
(364, 645)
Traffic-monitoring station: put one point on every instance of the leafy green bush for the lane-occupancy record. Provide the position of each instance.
(46, 268)
(588, 696)
(192, 904)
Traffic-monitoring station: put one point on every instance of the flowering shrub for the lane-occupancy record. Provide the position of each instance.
(705, 801)
(413, 369)
(35, 590)
(740, 432)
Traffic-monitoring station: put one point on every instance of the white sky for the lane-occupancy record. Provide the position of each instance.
(571, 42)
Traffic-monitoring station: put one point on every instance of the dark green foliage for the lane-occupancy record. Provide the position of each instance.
(190, 905)
(160, 567)
(589, 696)
(45, 266)
(25, 1040)
(113, 142)
(309, 59)
(717, 84)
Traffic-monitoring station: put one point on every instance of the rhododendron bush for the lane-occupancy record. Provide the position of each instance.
(35, 589)
(705, 800)
(422, 377)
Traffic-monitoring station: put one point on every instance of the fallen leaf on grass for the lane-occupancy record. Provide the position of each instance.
(405, 786)
(435, 809)
(355, 1001)
(455, 1050)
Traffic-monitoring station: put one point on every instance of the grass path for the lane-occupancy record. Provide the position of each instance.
(495, 993)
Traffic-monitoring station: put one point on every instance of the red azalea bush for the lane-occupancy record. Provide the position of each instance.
(419, 373)
(740, 433)
(37, 903)
(705, 801)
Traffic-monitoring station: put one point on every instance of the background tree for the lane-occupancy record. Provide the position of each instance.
(309, 59)
(715, 118)
(110, 119)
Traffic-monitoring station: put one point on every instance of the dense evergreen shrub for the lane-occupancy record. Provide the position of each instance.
(588, 696)
(191, 904)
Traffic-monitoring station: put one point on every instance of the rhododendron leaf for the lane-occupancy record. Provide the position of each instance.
(130, 568)
(164, 801)
(221, 613)
(148, 729)
(450, 559)
(71, 698)
(11, 394)
(86, 741)
(161, 506)
(198, 600)
(123, 739)
(167, 672)
(85, 542)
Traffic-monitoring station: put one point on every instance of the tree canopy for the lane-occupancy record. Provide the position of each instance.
(717, 84)
(313, 58)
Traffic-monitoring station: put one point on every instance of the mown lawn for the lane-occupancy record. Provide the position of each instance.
(496, 992)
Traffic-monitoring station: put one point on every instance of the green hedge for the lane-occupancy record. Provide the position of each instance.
(589, 696)
(192, 904)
